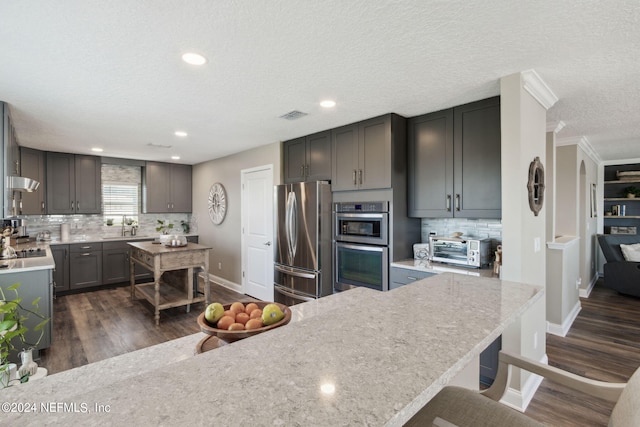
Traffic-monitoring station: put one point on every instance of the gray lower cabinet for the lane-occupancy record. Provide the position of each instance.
(454, 162)
(33, 284)
(74, 184)
(167, 188)
(85, 265)
(115, 262)
(308, 158)
(364, 153)
(61, 271)
(32, 165)
(403, 276)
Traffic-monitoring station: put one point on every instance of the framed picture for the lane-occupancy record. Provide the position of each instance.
(594, 207)
(614, 210)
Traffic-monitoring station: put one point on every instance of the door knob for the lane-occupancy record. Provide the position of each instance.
(268, 244)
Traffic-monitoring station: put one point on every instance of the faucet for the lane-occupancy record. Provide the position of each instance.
(124, 220)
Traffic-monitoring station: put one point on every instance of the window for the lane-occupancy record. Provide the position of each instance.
(120, 201)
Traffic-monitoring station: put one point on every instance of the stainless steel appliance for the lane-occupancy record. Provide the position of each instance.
(460, 251)
(302, 268)
(361, 246)
(19, 226)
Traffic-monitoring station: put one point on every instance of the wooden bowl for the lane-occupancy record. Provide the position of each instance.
(231, 336)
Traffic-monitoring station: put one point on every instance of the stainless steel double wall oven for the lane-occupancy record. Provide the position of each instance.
(361, 245)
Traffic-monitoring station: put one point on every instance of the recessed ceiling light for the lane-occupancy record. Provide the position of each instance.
(328, 103)
(194, 58)
(175, 157)
(180, 133)
(97, 150)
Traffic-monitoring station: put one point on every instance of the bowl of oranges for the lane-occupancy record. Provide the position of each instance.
(236, 321)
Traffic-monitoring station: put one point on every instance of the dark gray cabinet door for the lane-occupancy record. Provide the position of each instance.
(61, 183)
(180, 188)
(32, 165)
(318, 156)
(167, 188)
(85, 265)
(374, 153)
(344, 151)
(115, 262)
(477, 181)
(295, 153)
(61, 272)
(430, 165)
(88, 184)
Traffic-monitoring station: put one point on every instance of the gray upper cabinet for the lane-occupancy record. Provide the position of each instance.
(308, 158)
(32, 165)
(363, 153)
(73, 184)
(454, 162)
(167, 188)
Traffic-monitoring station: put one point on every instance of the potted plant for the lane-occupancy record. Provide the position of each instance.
(631, 192)
(164, 229)
(12, 317)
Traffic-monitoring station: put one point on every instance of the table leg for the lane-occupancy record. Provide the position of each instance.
(132, 277)
(207, 283)
(156, 285)
(189, 287)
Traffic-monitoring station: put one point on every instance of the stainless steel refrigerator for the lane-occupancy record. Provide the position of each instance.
(302, 268)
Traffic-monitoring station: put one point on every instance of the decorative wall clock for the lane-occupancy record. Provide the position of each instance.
(217, 203)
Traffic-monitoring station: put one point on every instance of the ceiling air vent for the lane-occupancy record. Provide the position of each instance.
(151, 144)
(293, 115)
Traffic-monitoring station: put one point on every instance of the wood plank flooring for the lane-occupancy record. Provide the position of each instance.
(93, 326)
(602, 344)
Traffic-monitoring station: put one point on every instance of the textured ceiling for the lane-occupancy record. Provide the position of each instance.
(85, 73)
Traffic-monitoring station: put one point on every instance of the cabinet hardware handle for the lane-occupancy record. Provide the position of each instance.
(412, 278)
(457, 203)
(77, 205)
(86, 254)
(360, 176)
(307, 170)
(42, 205)
(302, 170)
(354, 178)
(71, 205)
(448, 202)
(85, 247)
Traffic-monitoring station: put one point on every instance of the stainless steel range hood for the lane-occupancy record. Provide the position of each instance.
(21, 183)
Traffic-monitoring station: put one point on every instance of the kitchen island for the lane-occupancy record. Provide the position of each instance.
(360, 357)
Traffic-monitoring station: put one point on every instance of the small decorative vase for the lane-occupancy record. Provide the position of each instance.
(28, 365)
(631, 196)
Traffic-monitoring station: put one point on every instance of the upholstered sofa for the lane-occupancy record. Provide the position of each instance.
(620, 274)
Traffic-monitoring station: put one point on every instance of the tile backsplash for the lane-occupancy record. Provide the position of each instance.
(93, 225)
(472, 228)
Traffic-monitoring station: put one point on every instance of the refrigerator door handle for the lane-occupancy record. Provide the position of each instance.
(292, 224)
(292, 295)
(295, 273)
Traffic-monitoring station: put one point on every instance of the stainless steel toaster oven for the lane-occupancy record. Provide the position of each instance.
(460, 251)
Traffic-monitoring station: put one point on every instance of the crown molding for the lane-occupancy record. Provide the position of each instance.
(533, 83)
(555, 127)
(584, 144)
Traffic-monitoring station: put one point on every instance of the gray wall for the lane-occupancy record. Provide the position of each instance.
(225, 238)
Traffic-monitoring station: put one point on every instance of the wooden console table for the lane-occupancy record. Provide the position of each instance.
(176, 289)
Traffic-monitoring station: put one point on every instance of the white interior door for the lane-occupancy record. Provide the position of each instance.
(257, 232)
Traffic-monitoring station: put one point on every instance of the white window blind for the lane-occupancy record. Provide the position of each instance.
(120, 200)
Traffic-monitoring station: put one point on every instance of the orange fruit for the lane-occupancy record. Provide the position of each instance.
(238, 307)
(236, 327)
(225, 322)
(250, 307)
(230, 313)
(253, 324)
(242, 318)
(256, 314)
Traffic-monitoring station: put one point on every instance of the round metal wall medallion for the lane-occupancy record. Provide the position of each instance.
(217, 203)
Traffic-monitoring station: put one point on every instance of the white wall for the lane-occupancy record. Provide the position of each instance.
(523, 121)
(225, 239)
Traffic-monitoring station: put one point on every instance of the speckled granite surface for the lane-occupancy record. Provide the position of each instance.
(384, 354)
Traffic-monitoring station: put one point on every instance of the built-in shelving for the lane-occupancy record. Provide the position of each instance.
(613, 197)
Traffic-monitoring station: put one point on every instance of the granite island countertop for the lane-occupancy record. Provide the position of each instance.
(381, 368)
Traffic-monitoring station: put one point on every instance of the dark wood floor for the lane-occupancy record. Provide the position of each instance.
(93, 326)
(602, 344)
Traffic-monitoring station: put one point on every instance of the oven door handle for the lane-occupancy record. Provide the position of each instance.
(290, 294)
(362, 247)
(295, 273)
(380, 215)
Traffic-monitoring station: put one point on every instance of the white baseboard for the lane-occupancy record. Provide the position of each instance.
(584, 293)
(520, 399)
(226, 283)
(561, 330)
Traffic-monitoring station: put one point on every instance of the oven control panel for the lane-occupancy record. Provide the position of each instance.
(362, 207)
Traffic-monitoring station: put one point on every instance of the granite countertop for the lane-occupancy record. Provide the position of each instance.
(438, 267)
(385, 354)
(17, 265)
(92, 239)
